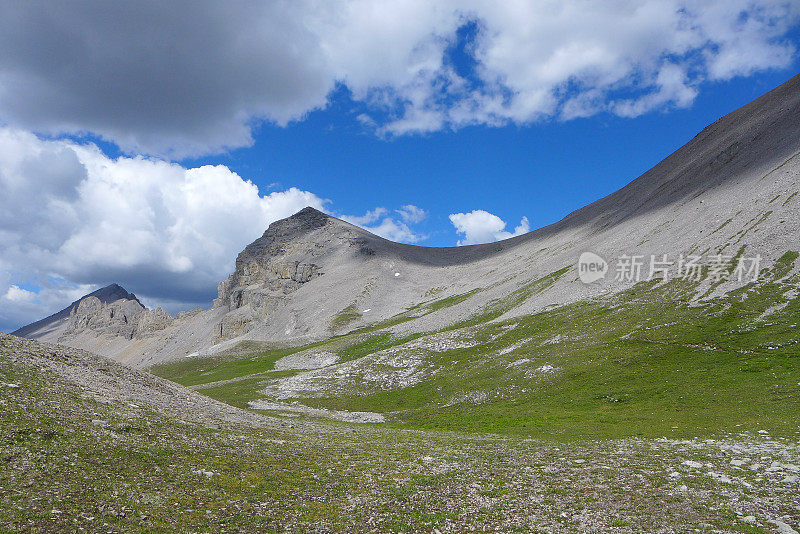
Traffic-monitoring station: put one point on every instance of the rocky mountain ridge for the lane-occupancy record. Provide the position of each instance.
(105, 295)
(108, 311)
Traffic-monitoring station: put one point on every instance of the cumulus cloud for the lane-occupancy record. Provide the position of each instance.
(19, 306)
(479, 226)
(394, 230)
(389, 227)
(71, 218)
(17, 294)
(160, 78)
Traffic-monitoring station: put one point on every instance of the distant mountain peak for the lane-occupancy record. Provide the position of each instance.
(106, 295)
(111, 293)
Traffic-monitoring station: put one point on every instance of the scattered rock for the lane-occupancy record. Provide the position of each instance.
(782, 528)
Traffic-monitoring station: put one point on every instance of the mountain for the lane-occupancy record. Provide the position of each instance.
(102, 320)
(731, 190)
(105, 295)
(520, 379)
(733, 184)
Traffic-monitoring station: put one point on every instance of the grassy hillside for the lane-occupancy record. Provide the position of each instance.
(88, 445)
(655, 360)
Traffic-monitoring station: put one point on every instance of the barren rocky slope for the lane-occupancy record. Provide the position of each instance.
(731, 191)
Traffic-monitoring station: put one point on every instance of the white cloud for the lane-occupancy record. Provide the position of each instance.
(71, 218)
(68, 68)
(746, 35)
(395, 231)
(20, 306)
(388, 227)
(368, 218)
(670, 86)
(412, 214)
(17, 294)
(480, 226)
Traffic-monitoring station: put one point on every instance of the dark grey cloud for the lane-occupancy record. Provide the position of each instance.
(155, 76)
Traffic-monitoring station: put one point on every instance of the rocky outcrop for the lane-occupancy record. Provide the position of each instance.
(276, 265)
(108, 294)
(127, 318)
(153, 321)
(275, 275)
(118, 318)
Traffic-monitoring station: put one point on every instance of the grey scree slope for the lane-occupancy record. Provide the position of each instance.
(733, 184)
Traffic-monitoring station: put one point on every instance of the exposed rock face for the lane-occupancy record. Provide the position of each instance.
(153, 321)
(109, 311)
(107, 294)
(277, 264)
(118, 318)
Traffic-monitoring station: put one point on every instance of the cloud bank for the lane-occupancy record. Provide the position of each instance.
(72, 217)
(176, 79)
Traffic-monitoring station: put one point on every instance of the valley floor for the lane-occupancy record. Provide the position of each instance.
(87, 444)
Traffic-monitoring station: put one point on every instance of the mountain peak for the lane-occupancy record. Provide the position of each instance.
(305, 220)
(106, 295)
(111, 293)
(307, 217)
(309, 211)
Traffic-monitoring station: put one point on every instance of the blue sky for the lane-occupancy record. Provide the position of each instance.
(542, 171)
(146, 145)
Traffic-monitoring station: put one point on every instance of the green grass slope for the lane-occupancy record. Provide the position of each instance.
(651, 361)
(89, 446)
